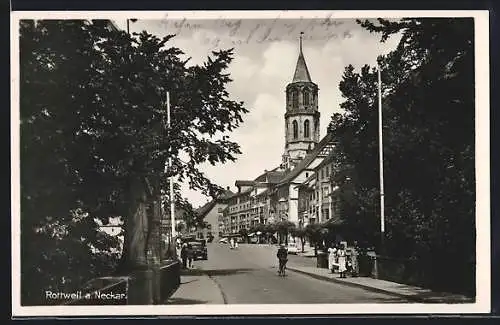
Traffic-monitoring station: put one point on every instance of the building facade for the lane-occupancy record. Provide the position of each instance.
(299, 190)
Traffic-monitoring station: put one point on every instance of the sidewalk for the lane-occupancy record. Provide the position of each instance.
(412, 293)
(196, 288)
(308, 252)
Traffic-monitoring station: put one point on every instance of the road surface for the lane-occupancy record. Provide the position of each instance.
(248, 275)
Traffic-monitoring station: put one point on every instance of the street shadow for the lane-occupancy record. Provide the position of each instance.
(385, 300)
(442, 298)
(184, 301)
(219, 272)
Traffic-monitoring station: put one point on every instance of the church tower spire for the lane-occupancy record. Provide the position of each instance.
(301, 71)
(302, 115)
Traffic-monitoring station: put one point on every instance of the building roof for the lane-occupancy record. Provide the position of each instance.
(301, 72)
(227, 194)
(261, 177)
(274, 177)
(322, 148)
(307, 182)
(309, 179)
(335, 221)
(206, 208)
(263, 192)
(327, 160)
(244, 183)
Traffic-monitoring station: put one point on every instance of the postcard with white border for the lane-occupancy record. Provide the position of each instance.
(250, 163)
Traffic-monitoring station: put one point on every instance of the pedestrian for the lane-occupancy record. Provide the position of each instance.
(332, 252)
(184, 255)
(178, 248)
(231, 243)
(190, 256)
(342, 261)
(354, 259)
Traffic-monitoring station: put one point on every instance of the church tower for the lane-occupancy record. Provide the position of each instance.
(302, 115)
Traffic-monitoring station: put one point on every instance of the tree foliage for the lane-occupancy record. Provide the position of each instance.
(428, 117)
(94, 136)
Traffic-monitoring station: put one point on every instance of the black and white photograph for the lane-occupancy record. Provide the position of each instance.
(259, 162)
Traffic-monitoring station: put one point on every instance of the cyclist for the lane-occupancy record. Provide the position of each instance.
(282, 259)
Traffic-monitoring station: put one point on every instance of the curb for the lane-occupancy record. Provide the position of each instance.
(412, 298)
(350, 284)
(221, 292)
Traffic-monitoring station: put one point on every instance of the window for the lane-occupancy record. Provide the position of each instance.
(295, 98)
(306, 97)
(307, 175)
(306, 129)
(295, 130)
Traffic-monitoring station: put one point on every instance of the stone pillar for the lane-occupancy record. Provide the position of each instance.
(157, 284)
(140, 287)
(374, 267)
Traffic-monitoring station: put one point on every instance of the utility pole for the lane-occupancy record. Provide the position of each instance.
(172, 201)
(381, 161)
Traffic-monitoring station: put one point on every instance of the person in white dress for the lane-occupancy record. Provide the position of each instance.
(342, 261)
(332, 253)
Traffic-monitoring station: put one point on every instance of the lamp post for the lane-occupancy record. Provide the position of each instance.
(381, 162)
(128, 24)
(168, 170)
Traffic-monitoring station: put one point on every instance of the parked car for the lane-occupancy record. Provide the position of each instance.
(292, 248)
(223, 240)
(199, 250)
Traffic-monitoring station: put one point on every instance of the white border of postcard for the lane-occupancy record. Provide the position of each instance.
(482, 304)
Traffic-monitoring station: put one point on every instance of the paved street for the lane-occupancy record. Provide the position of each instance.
(248, 275)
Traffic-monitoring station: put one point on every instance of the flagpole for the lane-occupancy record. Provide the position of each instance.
(172, 201)
(381, 159)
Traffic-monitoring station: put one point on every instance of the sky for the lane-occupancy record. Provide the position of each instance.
(266, 52)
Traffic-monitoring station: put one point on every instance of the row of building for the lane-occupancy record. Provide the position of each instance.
(301, 189)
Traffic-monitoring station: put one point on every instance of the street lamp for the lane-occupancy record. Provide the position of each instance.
(128, 24)
(381, 161)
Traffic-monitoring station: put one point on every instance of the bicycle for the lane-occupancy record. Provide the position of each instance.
(282, 268)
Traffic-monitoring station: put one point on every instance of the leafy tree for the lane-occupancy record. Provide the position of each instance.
(260, 230)
(269, 230)
(244, 233)
(180, 227)
(313, 233)
(428, 87)
(284, 228)
(94, 138)
(300, 233)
